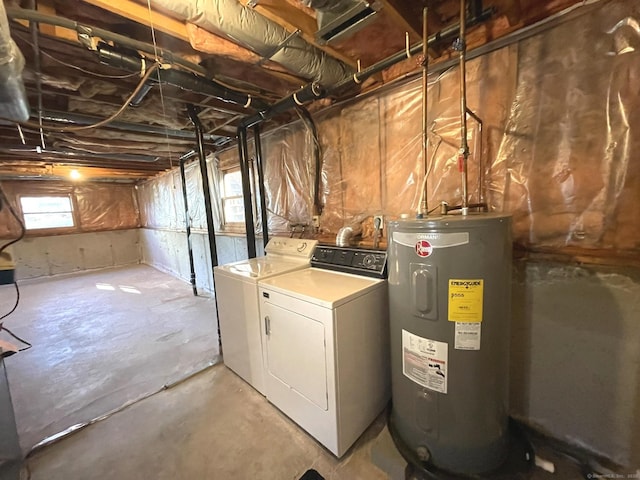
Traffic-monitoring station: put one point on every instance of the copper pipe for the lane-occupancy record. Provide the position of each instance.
(425, 63)
(478, 154)
(463, 154)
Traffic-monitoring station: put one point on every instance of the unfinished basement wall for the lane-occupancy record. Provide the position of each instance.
(163, 237)
(561, 114)
(104, 234)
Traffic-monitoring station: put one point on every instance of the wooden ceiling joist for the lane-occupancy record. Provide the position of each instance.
(143, 15)
(405, 18)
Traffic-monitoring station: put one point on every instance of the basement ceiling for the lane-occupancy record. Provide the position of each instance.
(85, 58)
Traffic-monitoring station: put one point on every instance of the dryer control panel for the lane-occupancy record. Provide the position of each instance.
(369, 263)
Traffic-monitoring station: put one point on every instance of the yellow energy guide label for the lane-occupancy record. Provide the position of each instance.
(465, 300)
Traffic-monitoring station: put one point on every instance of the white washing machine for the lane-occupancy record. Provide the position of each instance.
(236, 289)
(326, 344)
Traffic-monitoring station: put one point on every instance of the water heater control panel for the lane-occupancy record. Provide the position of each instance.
(370, 263)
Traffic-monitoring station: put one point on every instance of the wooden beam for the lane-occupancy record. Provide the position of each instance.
(51, 30)
(141, 14)
(291, 19)
(398, 12)
(47, 7)
(54, 171)
(511, 9)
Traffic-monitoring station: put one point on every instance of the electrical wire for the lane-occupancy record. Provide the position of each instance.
(433, 210)
(109, 119)
(88, 72)
(21, 340)
(310, 125)
(272, 212)
(155, 51)
(5, 201)
(14, 306)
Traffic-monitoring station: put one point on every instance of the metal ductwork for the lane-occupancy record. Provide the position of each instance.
(13, 98)
(242, 25)
(341, 18)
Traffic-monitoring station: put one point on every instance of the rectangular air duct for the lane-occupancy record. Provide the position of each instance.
(337, 23)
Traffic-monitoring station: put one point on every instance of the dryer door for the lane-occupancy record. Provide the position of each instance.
(296, 353)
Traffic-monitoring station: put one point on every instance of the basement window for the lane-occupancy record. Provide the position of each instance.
(45, 212)
(232, 199)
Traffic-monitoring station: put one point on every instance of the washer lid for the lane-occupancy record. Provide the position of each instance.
(325, 288)
(261, 267)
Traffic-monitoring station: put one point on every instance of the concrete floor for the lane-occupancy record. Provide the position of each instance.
(211, 426)
(102, 339)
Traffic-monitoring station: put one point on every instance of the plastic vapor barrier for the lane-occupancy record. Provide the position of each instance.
(162, 204)
(561, 118)
(97, 206)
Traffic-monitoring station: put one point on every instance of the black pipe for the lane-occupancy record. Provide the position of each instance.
(35, 31)
(193, 116)
(317, 156)
(263, 194)
(119, 57)
(187, 221)
(311, 91)
(154, 50)
(475, 8)
(130, 61)
(314, 91)
(243, 150)
(203, 86)
(192, 111)
(445, 34)
(121, 157)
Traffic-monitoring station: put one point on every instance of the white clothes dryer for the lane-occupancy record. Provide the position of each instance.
(326, 344)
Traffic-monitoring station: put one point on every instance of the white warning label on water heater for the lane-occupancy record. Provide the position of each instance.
(468, 335)
(425, 361)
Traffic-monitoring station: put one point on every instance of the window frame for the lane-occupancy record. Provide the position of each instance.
(49, 230)
(237, 227)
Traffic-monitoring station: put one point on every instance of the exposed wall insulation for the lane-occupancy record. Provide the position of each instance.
(161, 200)
(561, 120)
(163, 240)
(160, 206)
(97, 206)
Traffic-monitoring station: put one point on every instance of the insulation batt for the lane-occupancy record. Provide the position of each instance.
(561, 114)
(97, 206)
